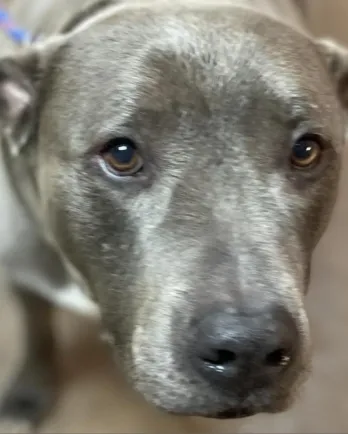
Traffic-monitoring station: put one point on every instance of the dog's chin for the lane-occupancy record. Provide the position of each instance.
(238, 412)
(244, 412)
(233, 413)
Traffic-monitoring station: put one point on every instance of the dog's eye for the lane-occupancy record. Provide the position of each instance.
(306, 152)
(122, 157)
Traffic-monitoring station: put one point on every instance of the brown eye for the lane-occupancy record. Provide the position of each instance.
(306, 152)
(122, 157)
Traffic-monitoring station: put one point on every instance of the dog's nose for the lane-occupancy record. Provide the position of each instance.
(237, 350)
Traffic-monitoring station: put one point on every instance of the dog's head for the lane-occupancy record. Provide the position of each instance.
(186, 164)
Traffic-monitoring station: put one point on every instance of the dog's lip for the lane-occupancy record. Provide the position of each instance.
(234, 413)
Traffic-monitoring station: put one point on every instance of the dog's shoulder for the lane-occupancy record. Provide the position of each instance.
(13, 221)
(27, 257)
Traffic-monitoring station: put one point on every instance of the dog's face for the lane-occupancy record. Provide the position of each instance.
(187, 165)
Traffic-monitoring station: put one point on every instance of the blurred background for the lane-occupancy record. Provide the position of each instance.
(95, 399)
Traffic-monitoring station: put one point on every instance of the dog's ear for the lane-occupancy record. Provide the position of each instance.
(20, 84)
(335, 57)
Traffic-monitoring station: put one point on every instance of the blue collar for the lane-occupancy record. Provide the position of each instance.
(15, 33)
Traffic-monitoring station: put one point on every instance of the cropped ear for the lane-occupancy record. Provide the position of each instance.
(335, 56)
(21, 77)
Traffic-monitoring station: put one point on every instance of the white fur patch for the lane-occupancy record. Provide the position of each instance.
(71, 297)
(17, 98)
(9, 426)
(74, 299)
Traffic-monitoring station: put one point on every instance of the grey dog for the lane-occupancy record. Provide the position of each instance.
(170, 166)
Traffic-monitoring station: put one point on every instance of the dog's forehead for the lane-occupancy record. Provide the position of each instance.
(199, 62)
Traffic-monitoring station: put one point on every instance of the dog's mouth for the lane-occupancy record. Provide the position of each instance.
(243, 412)
(234, 413)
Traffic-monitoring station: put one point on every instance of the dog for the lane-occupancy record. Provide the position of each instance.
(169, 167)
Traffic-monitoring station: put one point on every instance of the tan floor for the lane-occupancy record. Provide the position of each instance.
(95, 399)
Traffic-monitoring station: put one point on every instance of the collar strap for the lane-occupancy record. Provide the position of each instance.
(22, 37)
(14, 32)
(85, 13)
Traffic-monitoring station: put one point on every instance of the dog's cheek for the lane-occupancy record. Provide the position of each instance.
(96, 236)
(316, 214)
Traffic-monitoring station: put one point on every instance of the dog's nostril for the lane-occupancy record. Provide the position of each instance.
(221, 358)
(279, 357)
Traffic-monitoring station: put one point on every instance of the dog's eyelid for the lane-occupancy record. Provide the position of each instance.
(98, 142)
(316, 132)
